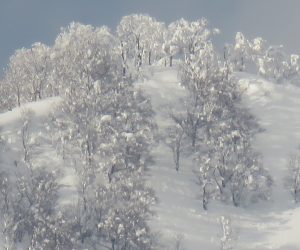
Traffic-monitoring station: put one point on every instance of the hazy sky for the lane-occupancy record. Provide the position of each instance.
(23, 22)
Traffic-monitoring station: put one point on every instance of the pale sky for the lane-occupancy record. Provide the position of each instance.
(24, 22)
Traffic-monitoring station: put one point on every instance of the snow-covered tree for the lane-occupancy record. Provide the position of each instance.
(107, 130)
(249, 182)
(81, 60)
(271, 62)
(220, 130)
(114, 215)
(90, 78)
(258, 47)
(27, 74)
(202, 76)
(30, 215)
(275, 65)
(100, 106)
(240, 52)
(244, 54)
(187, 37)
(124, 226)
(141, 38)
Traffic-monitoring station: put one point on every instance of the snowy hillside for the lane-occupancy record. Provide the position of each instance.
(180, 217)
(147, 138)
(269, 225)
(277, 108)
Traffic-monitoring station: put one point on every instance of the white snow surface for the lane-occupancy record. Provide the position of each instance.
(274, 224)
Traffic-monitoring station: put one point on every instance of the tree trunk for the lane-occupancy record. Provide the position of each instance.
(139, 55)
(123, 60)
(242, 68)
(177, 156)
(19, 96)
(113, 244)
(218, 184)
(194, 135)
(24, 143)
(149, 57)
(110, 173)
(204, 198)
(235, 202)
(89, 153)
(40, 90)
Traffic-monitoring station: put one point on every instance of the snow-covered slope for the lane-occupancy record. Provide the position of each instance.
(277, 108)
(41, 146)
(179, 214)
(10, 128)
(270, 225)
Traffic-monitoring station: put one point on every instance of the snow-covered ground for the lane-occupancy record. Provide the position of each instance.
(179, 214)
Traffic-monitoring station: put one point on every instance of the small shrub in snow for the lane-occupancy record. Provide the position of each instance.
(227, 237)
(26, 118)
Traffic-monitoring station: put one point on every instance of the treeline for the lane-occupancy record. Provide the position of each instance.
(138, 40)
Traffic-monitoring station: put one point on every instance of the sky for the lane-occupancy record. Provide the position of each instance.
(24, 22)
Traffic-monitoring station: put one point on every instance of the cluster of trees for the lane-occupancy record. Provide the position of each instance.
(106, 132)
(271, 62)
(138, 40)
(103, 129)
(37, 72)
(216, 128)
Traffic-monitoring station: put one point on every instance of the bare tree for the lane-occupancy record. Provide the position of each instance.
(173, 140)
